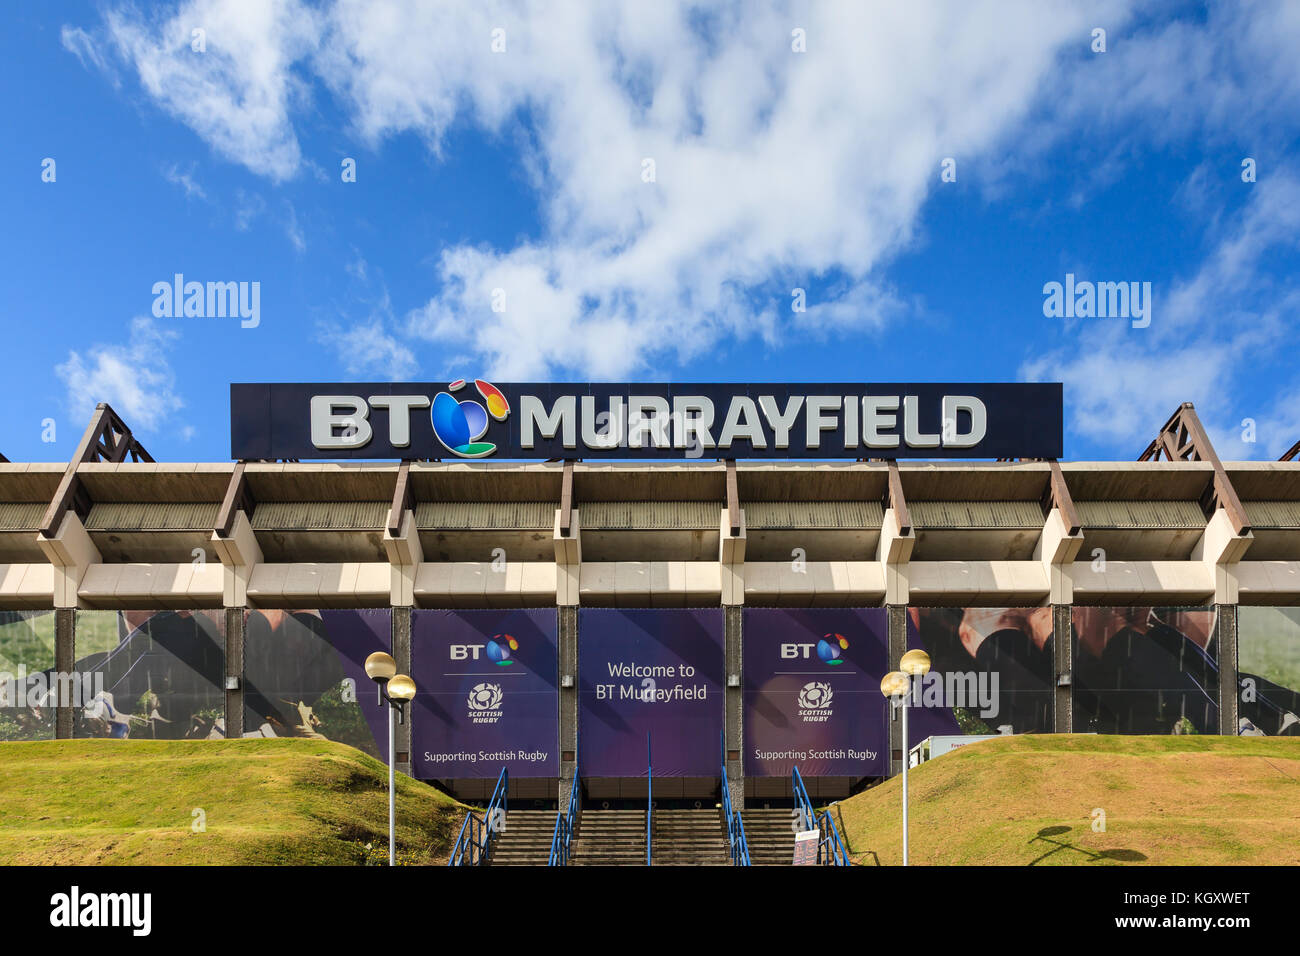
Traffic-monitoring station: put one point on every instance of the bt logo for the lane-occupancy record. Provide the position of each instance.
(460, 425)
(497, 650)
(829, 649)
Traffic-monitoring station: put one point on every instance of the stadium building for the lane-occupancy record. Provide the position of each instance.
(657, 608)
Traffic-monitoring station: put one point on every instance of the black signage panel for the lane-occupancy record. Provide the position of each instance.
(479, 419)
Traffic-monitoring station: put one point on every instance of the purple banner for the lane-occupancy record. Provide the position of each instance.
(486, 694)
(650, 671)
(812, 692)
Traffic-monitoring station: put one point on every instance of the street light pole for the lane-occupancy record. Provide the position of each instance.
(395, 690)
(392, 790)
(897, 687)
(907, 759)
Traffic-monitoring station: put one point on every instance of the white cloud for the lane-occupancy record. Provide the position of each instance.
(773, 168)
(293, 230)
(1209, 333)
(185, 179)
(238, 91)
(136, 378)
(89, 50)
(368, 348)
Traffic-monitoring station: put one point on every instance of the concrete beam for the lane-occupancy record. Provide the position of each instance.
(1142, 582)
(731, 556)
(404, 555)
(70, 552)
(26, 586)
(240, 554)
(1220, 549)
(1268, 582)
(986, 583)
(894, 552)
(1057, 548)
(176, 586)
(478, 584)
(320, 584)
(568, 553)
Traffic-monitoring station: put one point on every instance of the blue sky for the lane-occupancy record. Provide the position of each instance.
(524, 170)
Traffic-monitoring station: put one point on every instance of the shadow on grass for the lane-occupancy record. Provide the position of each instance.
(1047, 835)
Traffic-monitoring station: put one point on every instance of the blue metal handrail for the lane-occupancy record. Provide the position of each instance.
(830, 848)
(477, 833)
(735, 824)
(649, 797)
(565, 823)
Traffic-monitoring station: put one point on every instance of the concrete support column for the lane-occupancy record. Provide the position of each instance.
(734, 704)
(65, 660)
(897, 648)
(235, 668)
(1226, 643)
(401, 636)
(567, 627)
(1063, 651)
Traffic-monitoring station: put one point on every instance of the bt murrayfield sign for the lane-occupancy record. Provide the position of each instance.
(476, 419)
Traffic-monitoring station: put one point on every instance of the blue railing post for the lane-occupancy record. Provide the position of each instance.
(830, 849)
(649, 797)
(735, 823)
(565, 823)
(476, 835)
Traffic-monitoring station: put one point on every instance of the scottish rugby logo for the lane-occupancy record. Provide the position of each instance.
(815, 702)
(484, 703)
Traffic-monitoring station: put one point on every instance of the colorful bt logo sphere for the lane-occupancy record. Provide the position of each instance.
(500, 648)
(830, 647)
(460, 424)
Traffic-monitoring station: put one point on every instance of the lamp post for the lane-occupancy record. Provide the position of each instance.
(897, 685)
(395, 690)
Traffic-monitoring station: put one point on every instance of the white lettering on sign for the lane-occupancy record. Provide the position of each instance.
(690, 422)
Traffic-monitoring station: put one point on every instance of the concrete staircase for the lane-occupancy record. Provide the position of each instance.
(526, 839)
(609, 838)
(680, 838)
(690, 838)
(770, 836)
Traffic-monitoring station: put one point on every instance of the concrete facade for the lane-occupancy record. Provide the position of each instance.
(146, 535)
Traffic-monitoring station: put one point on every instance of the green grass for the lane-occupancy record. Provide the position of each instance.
(1030, 800)
(263, 802)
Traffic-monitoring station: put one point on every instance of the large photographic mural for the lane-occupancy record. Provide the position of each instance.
(1145, 670)
(158, 675)
(304, 676)
(991, 670)
(486, 694)
(26, 662)
(812, 691)
(1268, 671)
